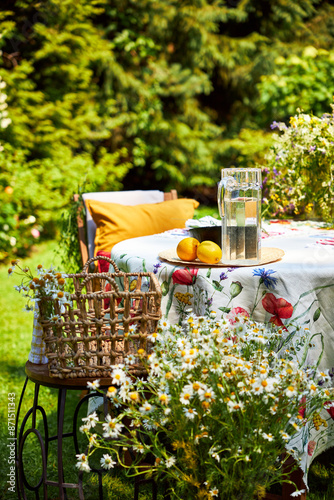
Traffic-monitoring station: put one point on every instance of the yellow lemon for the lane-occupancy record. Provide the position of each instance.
(209, 252)
(187, 249)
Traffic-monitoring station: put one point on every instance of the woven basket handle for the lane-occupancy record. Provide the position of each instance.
(106, 276)
(100, 257)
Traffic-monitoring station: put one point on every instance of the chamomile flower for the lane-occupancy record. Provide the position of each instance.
(170, 461)
(93, 440)
(297, 493)
(93, 385)
(112, 392)
(107, 462)
(285, 436)
(146, 407)
(118, 376)
(234, 405)
(190, 413)
(290, 391)
(164, 398)
(82, 463)
(111, 427)
(130, 359)
(268, 437)
(91, 420)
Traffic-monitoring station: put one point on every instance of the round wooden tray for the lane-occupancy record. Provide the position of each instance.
(268, 255)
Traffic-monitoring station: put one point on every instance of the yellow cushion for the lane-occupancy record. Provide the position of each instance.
(117, 222)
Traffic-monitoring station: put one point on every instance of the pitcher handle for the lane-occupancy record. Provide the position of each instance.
(222, 185)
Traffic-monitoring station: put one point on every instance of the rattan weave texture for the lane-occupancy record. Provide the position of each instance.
(95, 331)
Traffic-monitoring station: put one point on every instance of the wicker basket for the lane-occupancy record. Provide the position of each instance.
(94, 333)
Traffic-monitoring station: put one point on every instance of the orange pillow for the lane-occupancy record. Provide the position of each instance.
(117, 222)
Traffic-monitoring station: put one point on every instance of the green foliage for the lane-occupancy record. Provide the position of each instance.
(303, 81)
(69, 248)
(59, 131)
(156, 94)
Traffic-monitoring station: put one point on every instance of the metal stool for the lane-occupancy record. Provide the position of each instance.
(38, 374)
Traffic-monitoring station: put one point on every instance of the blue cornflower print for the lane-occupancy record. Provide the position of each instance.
(265, 278)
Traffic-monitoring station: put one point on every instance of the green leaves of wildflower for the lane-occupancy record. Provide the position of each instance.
(217, 286)
(316, 314)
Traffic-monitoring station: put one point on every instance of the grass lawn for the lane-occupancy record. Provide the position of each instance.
(15, 331)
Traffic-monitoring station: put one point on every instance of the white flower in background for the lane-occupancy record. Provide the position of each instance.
(291, 391)
(190, 413)
(268, 437)
(234, 405)
(186, 394)
(285, 436)
(107, 462)
(146, 407)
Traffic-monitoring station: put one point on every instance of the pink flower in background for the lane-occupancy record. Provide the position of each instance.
(35, 233)
(185, 276)
(237, 311)
(311, 447)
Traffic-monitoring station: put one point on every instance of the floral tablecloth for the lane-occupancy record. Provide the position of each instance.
(298, 289)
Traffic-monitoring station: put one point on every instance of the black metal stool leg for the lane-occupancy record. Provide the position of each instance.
(16, 437)
(23, 483)
(60, 432)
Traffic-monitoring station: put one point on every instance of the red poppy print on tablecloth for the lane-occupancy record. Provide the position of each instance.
(279, 308)
(185, 276)
(302, 407)
(329, 405)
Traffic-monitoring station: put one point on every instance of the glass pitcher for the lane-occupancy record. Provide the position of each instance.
(239, 202)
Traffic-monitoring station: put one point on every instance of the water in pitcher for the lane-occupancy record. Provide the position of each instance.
(241, 233)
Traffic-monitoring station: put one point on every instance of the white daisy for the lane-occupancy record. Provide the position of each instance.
(107, 462)
(190, 413)
(170, 461)
(297, 493)
(118, 376)
(146, 407)
(91, 420)
(268, 437)
(82, 463)
(111, 427)
(93, 385)
(290, 391)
